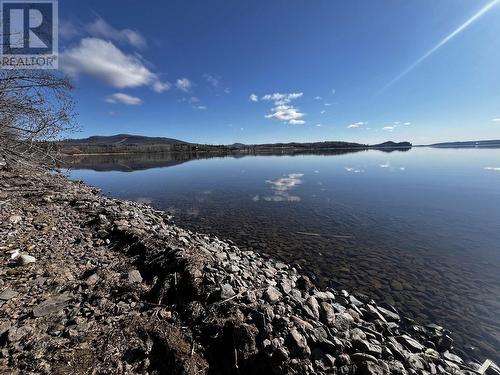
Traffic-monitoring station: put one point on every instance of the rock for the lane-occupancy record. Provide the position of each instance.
(312, 303)
(25, 259)
(452, 357)
(15, 219)
(7, 294)
(343, 359)
(371, 368)
(18, 333)
(298, 344)
(226, 291)
(415, 362)
(51, 305)
(397, 368)
(272, 295)
(389, 315)
(134, 276)
(410, 344)
(368, 347)
(92, 279)
(327, 314)
(363, 357)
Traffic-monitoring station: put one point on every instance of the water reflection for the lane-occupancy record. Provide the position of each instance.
(282, 186)
(425, 240)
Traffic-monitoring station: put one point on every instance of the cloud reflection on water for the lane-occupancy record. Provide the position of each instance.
(281, 187)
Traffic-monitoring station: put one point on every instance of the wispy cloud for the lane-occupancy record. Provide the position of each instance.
(357, 125)
(121, 98)
(318, 98)
(201, 107)
(211, 79)
(388, 128)
(100, 28)
(296, 122)
(253, 98)
(495, 119)
(496, 169)
(184, 84)
(104, 61)
(353, 170)
(457, 31)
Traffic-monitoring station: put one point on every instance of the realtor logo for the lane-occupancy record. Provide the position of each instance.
(29, 34)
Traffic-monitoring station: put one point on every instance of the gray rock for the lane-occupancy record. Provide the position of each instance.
(272, 295)
(298, 344)
(52, 305)
(134, 276)
(312, 303)
(372, 368)
(452, 357)
(25, 259)
(327, 314)
(410, 343)
(397, 368)
(415, 362)
(226, 291)
(389, 315)
(368, 347)
(15, 219)
(363, 357)
(92, 279)
(7, 294)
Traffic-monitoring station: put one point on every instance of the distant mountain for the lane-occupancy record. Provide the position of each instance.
(468, 144)
(123, 139)
(130, 144)
(391, 144)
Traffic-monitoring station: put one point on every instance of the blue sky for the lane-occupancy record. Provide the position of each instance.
(258, 71)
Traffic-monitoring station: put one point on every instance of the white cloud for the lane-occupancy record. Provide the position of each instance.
(160, 87)
(357, 125)
(353, 170)
(102, 60)
(328, 104)
(254, 98)
(318, 98)
(194, 99)
(100, 28)
(121, 98)
(201, 107)
(282, 98)
(407, 123)
(283, 111)
(496, 169)
(318, 125)
(184, 84)
(322, 112)
(388, 128)
(211, 79)
(334, 91)
(495, 119)
(386, 165)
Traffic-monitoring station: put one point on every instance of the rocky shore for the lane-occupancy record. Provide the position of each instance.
(92, 285)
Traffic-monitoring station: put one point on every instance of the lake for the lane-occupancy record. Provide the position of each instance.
(419, 230)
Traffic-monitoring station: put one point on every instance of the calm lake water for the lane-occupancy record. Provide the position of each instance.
(417, 229)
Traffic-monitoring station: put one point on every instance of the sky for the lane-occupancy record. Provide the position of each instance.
(262, 71)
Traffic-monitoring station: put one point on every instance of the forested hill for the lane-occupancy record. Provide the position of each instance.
(126, 143)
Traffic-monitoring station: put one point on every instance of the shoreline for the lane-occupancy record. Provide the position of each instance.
(116, 287)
